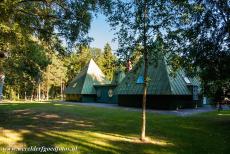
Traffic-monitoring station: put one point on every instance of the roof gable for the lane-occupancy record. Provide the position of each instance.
(160, 81)
(84, 81)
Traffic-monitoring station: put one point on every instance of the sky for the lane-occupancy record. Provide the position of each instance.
(101, 32)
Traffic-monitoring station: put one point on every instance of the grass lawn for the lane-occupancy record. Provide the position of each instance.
(101, 130)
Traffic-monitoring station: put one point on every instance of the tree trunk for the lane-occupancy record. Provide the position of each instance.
(1, 91)
(61, 90)
(18, 95)
(39, 92)
(25, 96)
(48, 78)
(145, 52)
(144, 101)
(31, 98)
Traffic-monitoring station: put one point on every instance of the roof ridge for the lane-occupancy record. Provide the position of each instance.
(86, 73)
(88, 64)
(167, 70)
(84, 80)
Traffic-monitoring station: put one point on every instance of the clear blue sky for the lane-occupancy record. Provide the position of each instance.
(102, 33)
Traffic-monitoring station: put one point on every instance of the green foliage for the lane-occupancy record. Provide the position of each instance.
(108, 62)
(139, 24)
(76, 61)
(67, 18)
(25, 64)
(96, 54)
(54, 77)
(32, 30)
(201, 44)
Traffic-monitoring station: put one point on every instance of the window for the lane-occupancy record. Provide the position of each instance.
(187, 80)
(140, 80)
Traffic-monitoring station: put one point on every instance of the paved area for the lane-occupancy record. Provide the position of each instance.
(180, 112)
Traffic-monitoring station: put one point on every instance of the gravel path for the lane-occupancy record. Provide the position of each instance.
(180, 112)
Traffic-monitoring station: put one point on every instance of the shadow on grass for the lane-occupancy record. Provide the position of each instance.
(95, 130)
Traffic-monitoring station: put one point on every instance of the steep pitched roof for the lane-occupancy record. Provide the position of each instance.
(118, 77)
(84, 81)
(160, 81)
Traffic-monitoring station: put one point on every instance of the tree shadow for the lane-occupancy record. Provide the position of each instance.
(95, 130)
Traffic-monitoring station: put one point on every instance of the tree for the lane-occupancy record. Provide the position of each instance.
(201, 42)
(48, 21)
(107, 62)
(141, 23)
(44, 18)
(96, 54)
(25, 64)
(76, 61)
(54, 76)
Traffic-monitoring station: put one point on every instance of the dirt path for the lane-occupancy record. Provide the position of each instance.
(180, 112)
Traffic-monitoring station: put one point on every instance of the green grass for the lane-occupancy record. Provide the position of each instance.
(101, 130)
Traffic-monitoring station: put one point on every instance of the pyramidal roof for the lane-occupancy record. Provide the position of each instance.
(84, 81)
(160, 81)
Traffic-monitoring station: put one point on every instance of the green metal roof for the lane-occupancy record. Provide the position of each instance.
(178, 84)
(84, 81)
(118, 77)
(161, 82)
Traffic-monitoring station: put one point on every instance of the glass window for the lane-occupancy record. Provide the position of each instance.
(140, 80)
(187, 80)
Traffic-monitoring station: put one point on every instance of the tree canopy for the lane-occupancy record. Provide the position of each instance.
(142, 25)
(46, 18)
(108, 62)
(201, 41)
(193, 34)
(32, 30)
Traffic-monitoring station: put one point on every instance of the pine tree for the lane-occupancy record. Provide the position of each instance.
(108, 62)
